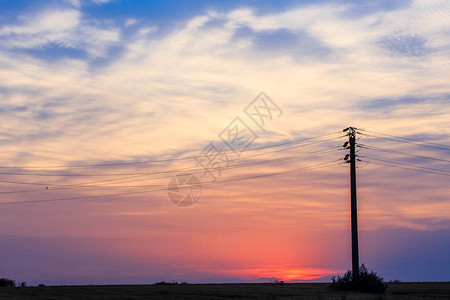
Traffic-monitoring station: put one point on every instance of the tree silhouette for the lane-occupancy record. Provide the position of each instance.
(6, 282)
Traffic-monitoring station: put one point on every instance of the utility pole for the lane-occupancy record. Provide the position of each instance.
(354, 212)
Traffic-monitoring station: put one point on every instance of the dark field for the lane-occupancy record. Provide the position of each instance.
(225, 291)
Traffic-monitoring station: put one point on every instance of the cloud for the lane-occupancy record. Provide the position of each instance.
(78, 89)
(130, 22)
(51, 22)
(100, 2)
(206, 70)
(74, 3)
(215, 66)
(63, 28)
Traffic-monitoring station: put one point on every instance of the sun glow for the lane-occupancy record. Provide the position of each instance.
(272, 273)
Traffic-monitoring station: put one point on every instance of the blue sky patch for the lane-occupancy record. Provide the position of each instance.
(283, 41)
(405, 45)
(53, 52)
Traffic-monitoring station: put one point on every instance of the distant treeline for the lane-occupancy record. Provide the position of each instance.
(6, 282)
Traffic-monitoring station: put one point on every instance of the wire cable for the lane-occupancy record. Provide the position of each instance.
(407, 140)
(408, 166)
(159, 172)
(404, 168)
(196, 171)
(403, 153)
(317, 166)
(176, 170)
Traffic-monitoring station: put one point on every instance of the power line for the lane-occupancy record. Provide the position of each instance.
(193, 171)
(402, 153)
(407, 140)
(149, 173)
(159, 172)
(410, 139)
(406, 166)
(144, 176)
(65, 186)
(317, 166)
(135, 175)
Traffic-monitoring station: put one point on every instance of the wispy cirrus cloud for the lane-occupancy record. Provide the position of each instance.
(58, 28)
(213, 61)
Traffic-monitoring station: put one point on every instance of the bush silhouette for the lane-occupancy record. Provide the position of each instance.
(167, 283)
(6, 282)
(366, 282)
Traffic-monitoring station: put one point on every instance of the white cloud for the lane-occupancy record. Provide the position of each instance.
(100, 2)
(74, 3)
(130, 22)
(51, 21)
(63, 27)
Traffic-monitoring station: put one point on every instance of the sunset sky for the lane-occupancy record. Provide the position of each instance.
(102, 102)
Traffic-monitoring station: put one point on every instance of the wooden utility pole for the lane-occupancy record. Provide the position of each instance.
(354, 211)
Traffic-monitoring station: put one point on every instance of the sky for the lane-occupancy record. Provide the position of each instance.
(106, 104)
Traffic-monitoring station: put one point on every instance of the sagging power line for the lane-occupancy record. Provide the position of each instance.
(130, 179)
